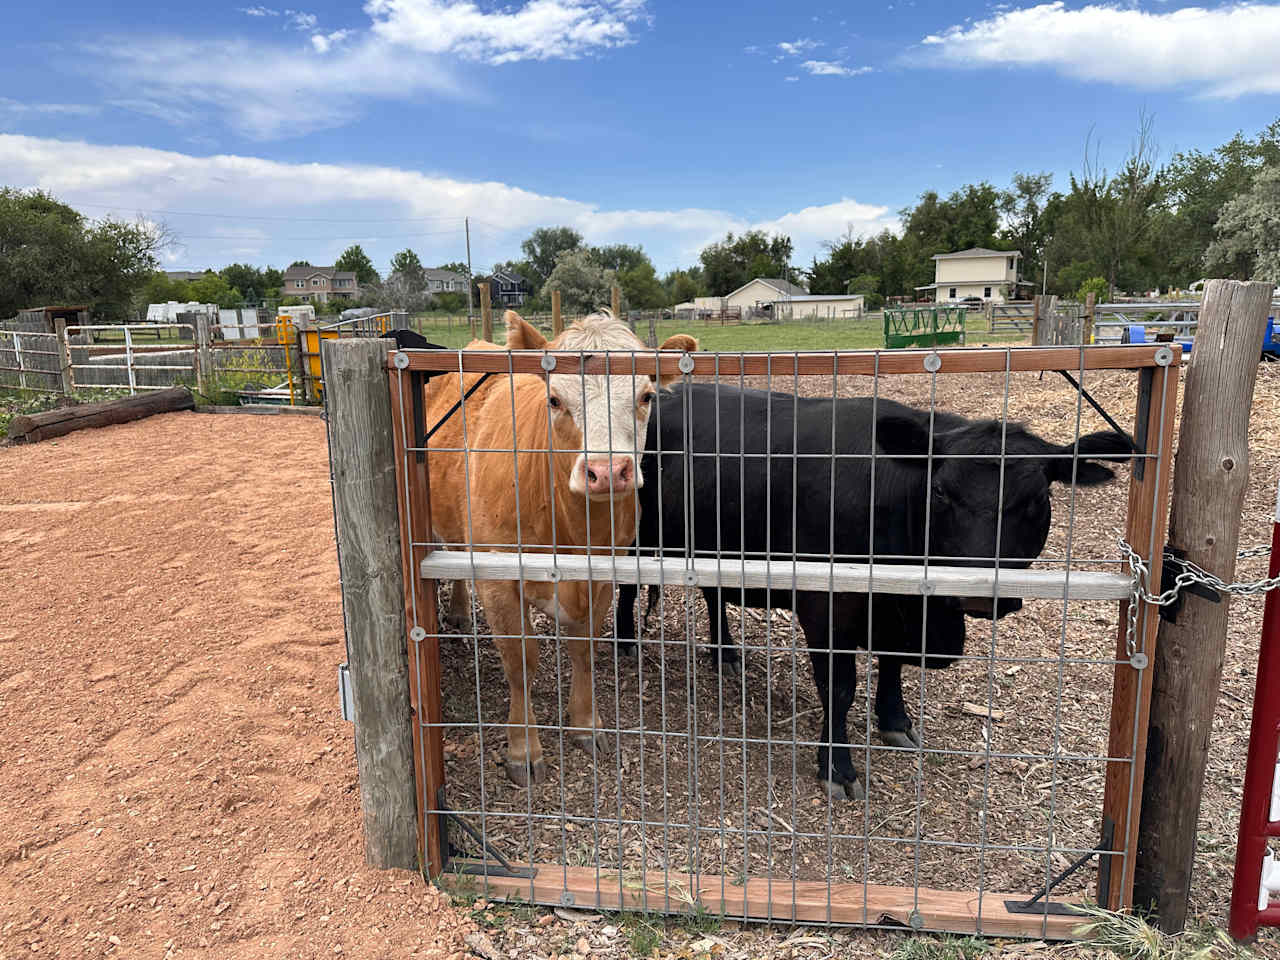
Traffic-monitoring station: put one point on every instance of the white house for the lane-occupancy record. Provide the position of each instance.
(990, 275)
(820, 306)
(761, 292)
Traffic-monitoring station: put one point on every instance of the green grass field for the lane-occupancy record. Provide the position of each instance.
(864, 334)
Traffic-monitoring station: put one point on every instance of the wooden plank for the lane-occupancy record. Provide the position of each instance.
(557, 318)
(413, 499)
(761, 899)
(362, 467)
(864, 362)
(1148, 513)
(782, 574)
(1210, 481)
(33, 427)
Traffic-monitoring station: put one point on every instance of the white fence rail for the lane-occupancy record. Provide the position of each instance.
(30, 362)
(127, 364)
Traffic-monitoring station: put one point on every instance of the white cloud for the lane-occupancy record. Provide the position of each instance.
(829, 68)
(384, 200)
(1222, 52)
(67, 109)
(259, 12)
(536, 30)
(299, 93)
(302, 21)
(323, 42)
(795, 48)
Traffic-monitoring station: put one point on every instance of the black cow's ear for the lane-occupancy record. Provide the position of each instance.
(903, 437)
(1105, 445)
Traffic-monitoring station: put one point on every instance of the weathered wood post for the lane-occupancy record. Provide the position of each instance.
(615, 301)
(557, 319)
(204, 350)
(363, 469)
(653, 331)
(1210, 476)
(64, 354)
(1086, 326)
(486, 313)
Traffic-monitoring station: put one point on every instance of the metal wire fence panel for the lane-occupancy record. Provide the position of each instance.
(133, 356)
(30, 362)
(828, 637)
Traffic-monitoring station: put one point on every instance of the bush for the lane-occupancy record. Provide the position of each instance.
(1098, 286)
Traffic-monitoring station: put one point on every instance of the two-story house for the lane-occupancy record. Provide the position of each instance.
(318, 284)
(444, 281)
(508, 288)
(989, 275)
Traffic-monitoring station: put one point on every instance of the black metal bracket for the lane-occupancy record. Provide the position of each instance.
(503, 867)
(1042, 905)
(1169, 575)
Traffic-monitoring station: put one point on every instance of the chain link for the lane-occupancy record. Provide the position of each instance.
(1191, 573)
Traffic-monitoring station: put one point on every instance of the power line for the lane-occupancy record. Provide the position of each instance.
(253, 216)
(313, 238)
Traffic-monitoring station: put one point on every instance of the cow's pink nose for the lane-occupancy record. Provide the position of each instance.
(611, 475)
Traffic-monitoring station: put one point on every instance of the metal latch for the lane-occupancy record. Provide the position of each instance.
(344, 693)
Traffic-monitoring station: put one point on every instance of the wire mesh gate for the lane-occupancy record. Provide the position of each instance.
(649, 816)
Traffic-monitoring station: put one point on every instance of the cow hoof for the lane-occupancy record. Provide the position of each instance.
(731, 669)
(909, 738)
(522, 774)
(851, 790)
(589, 743)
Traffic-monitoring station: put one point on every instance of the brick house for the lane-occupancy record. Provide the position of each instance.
(319, 284)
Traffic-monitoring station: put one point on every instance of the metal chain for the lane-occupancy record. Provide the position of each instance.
(1191, 573)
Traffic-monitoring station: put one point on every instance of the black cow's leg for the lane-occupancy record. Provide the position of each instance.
(835, 674)
(624, 620)
(896, 728)
(724, 653)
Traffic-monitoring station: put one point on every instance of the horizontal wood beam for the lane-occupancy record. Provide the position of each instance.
(955, 911)
(907, 579)
(865, 362)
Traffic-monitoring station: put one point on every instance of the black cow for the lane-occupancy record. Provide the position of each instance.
(738, 503)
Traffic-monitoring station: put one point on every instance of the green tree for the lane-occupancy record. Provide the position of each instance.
(683, 285)
(299, 263)
(1027, 212)
(407, 265)
(543, 247)
(1246, 230)
(1095, 285)
(582, 282)
(640, 286)
(212, 288)
(620, 257)
(49, 253)
(733, 261)
(458, 268)
(357, 261)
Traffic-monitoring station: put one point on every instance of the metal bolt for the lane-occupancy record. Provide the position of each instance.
(401, 360)
(548, 362)
(928, 587)
(1164, 357)
(686, 363)
(566, 898)
(553, 575)
(916, 919)
(417, 634)
(933, 363)
(1139, 661)
(691, 578)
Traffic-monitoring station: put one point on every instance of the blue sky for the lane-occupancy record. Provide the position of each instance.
(294, 132)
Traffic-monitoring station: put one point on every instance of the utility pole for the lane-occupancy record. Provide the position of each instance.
(471, 322)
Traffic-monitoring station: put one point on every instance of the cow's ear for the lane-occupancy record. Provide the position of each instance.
(1105, 445)
(682, 342)
(521, 335)
(904, 437)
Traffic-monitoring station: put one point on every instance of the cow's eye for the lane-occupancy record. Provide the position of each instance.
(648, 397)
(553, 402)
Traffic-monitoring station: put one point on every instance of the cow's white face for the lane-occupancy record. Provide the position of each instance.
(602, 418)
(609, 415)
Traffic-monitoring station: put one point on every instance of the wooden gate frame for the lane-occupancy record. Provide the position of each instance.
(765, 898)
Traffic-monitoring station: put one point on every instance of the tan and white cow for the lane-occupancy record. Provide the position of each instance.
(575, 441)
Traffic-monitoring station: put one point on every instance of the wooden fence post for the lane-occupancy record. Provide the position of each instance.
(363, 467)
(64, 354)
(615, 301)
(653, 330)
(1210, 477)
(557, 319)
(204, 350)
(1086, 326)
(486, 313)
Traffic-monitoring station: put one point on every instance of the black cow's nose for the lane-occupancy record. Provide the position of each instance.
(984, 608)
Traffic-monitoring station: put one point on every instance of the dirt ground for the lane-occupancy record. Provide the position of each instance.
(176, 779)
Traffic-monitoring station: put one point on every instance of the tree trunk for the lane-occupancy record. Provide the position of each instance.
(56, 423)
